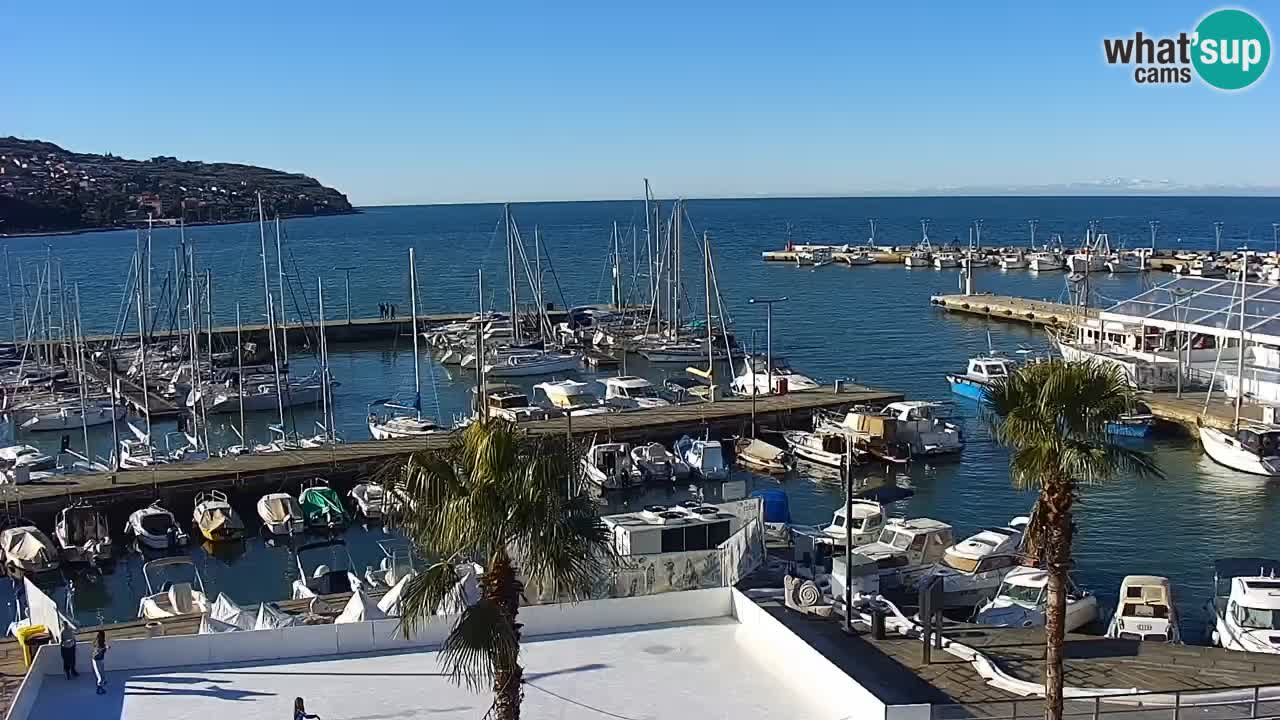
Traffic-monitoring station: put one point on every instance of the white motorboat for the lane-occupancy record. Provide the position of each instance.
(609, 466)
(138, 451)
(978, 376)
(572, 397)
(705, 458)
(919, 425)
(26, 549)
(974, 259)
(656, 463)
(281, 514)
(68, 416)
(1086, 261)
(1020, 602)
(762, 456)
(400, 422)
(155, 527)
(756, 374)
(870, 515)
(1013, 261)
(971, 570)
(529, 364)
(682, 352)
(829, 448)
(944, 260)
(1246, 605)
(370, 499)
(324, 579)
(859, 257)
(172, 599)
(629, 391)
(918, 259)
(1122, 263)
(82, 534)
(26, 456)
(1145, 611)
(1253, 449)
(1045, 261)
(907, 549)
(260, 395)
(1205, 268)
(214, 517)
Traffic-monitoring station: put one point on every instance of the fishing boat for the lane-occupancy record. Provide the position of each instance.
(1045, 261)
(1138, 423)
(26, 456)
(1246, 605)
(82, 534)
(322, 509)
(1253, 449)
(705, 458)
(1022, 597)
(869, 512)
(370, 500)
(1013, 260)
(656, 463)
(920, 426)
(214, 517)
(26, 549)
(830, 448)
(945, 260)
(1145, 611)
(608, 465)
(1121, 263)
(977, 379)
(280, 514)
(626, 392)
(859, 256)
(907, 549)
(971, 570)
(324, 579)
(156, 528)
(919, 258)
(762, 456)
(766, 376)
(170, 599)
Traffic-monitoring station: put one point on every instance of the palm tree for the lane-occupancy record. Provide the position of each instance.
(1053, 417)
(518, 504)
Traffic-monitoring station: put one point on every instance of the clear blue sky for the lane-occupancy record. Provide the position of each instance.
(459, 102)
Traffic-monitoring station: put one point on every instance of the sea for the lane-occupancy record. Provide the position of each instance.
(870, 324)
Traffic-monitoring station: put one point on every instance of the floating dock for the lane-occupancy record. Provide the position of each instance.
(358, 459)
(1012, 309)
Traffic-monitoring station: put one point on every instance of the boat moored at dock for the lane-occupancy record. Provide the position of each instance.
(1245, 607)
(1145, 611)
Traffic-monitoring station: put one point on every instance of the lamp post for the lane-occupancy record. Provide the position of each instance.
(768, 335)
(751, 368)
(1178, 296)
(347, 270)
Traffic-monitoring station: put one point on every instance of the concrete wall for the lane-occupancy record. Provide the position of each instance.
(799, 664)
(47, 662)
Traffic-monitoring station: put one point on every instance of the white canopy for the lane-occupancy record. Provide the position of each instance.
(271, 617)
(463, 595)
(360, 608)
(227, 611)
(209, 626)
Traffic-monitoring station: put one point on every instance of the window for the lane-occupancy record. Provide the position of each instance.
(963, 564)
(838, 521)
(1258, 618)
(1021, 594)
(918, 542)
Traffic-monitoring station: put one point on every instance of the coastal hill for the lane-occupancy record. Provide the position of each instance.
(46, 188)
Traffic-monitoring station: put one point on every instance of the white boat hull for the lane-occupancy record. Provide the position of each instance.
(540, 367)
(69, 419)
(1225, 450)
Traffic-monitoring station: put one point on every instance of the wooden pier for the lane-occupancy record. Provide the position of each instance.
(358, 459)
(1007, 308)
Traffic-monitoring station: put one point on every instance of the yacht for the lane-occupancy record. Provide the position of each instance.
(509, 402)
(1253, 449)
(971, 570)
(26, 456)
(705, 458)
(608, 465)
(1045, 261)
(906, 550)
(629, 391)
(920, 427)
(172, 598)
(82, 534)
(656, 463)
(1013, 260)
(945, 260)
(1020, 602)
(67, 415)
(259, 395)
(1145, 611)
(324, 579)
(683, 352)
(572, 397)
(280, 514)
(529, 364)
(214, 517)
(155, 527)
(1246, 605)
(756, 373)
(982, 371)
(26, 549)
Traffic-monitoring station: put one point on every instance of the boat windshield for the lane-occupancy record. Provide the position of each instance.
(508, 401)
(643, 392)
(1021, 594)
(156, 523)
(1258, 618)
(711, 456)
(895, 539)
(579, 400)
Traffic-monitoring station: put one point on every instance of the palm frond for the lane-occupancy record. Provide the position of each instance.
(422, 596)
(482, 641)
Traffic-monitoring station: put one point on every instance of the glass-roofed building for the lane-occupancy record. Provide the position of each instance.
(1202, 317)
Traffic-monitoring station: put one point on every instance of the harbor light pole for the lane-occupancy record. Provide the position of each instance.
(1178, 295)
(1217, 237)
(768, 338)
(1275, 239)
(347, 269)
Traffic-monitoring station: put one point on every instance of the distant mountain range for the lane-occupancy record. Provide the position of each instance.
(1105, 186)
(45, 188)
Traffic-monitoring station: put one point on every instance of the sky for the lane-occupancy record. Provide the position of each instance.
(432, 102)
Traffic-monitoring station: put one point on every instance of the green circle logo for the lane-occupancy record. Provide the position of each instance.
(1232, 49)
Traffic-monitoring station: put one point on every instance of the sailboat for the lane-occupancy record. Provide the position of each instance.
(1254, 448)
(405, 421)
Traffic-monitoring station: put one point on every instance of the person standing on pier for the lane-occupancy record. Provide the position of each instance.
(300, 711)
(68, 649)
(99, 657)
(382, 311)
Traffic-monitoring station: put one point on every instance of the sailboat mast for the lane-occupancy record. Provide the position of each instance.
(511, 276)
(324, 363)
(706, 271)
(192, 341)
(84, 422)
(266, 282)
(413, 330)
(240, 375)
(537, 251)
(648, 238)
(617, 271)
(284, 320)
(142, 353)
(1244, 289)
(208, 313)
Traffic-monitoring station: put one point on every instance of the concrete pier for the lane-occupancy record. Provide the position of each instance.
(1012, 309)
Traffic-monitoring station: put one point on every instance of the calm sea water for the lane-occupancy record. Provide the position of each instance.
(870, 323)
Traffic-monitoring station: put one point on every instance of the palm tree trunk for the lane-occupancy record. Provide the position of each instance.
(1056, 500)
(503, 588)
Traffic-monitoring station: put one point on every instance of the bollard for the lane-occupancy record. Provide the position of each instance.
(877, 622)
